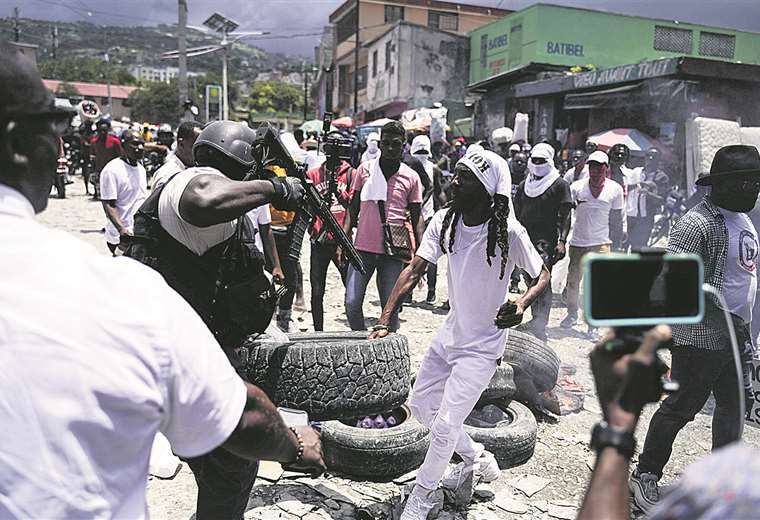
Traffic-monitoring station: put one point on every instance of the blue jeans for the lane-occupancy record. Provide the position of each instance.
(388, 271)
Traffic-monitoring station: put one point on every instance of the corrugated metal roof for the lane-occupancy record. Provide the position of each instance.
(92, 89)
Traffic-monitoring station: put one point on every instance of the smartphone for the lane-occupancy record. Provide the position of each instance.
(293, 418)
(642, 290)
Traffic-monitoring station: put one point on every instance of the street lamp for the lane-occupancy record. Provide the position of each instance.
(226, 27)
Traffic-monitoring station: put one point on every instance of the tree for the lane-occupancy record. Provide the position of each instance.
(156, 102)
(275, 96)
(90, 70)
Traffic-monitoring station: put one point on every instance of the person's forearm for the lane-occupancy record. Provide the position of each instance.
(261, 433)
(534, 292)
(270, 248)
(407, 280)
(210, 200)
(113, 217)
(607, 494)
(564, 225)
(347, 224)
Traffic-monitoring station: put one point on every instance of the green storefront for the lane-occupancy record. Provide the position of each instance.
(533, 60)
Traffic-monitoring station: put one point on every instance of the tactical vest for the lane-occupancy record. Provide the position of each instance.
(226, 286)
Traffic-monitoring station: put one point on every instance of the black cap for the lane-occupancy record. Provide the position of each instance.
(22, 92)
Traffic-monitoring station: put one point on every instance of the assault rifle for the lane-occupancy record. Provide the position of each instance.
(269, 150)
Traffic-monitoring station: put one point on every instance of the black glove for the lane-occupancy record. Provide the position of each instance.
(288, 193)
(510, 314)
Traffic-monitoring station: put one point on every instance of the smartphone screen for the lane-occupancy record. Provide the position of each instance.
(641, 290)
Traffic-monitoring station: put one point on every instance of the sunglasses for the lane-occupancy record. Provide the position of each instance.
(538, 160)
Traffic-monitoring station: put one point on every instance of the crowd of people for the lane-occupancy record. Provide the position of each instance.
(156, 354)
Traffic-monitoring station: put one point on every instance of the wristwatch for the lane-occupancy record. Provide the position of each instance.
(603, 435)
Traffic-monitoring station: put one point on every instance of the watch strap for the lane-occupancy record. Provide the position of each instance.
(603, 435)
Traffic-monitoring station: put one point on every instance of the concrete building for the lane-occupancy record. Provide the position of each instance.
(411, 66)
(374, 18)
(162, 74)
(29, 50)
(543, 42)
(97, 92)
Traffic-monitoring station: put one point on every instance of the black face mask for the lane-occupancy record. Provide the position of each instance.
(741, 202)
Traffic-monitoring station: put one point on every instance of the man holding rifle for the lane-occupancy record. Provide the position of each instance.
(197, 210)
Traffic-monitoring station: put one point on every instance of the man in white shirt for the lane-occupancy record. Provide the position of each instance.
(468, 347)
(598, 224)
(90, 394)
(123, 187)
(182, 158)
(261, 220)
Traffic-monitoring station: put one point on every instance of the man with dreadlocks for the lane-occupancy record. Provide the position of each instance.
(473, 230)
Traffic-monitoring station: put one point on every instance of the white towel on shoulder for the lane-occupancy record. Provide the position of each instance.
(376, 187)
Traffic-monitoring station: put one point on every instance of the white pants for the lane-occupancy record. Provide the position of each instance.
(447, 388)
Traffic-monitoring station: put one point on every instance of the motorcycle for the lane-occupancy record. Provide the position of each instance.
(673, 209)
(61, 171)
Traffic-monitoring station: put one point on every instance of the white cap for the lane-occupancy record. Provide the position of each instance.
(421, 143)
(502, 135)
(515, 148)
(599, 157)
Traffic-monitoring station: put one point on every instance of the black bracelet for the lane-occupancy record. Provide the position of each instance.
(300, 445)
(603, 435)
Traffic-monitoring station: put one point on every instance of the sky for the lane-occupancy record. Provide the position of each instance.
(296, 25)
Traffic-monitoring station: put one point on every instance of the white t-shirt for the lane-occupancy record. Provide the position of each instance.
(428, 207)
(128, 186)
(475, 290)
(83, 394)
(592, 215)
(636, 201)
(259, 216)
(164, 173)
(740, 276)
(569, 174)
(196, 239)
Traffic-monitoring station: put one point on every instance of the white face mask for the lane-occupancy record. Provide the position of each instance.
(539, 170)
(422, 158)
(372, 146)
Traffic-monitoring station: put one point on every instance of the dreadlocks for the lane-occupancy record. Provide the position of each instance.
(498, 231)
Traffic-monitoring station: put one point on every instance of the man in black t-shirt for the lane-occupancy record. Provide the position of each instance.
(543, 204)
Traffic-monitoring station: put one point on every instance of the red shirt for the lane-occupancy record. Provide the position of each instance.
(104, 150)
(322, 183)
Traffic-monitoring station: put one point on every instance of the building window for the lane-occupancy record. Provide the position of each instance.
(672, 40)
(393, 13)
(346, 26)
(443, 21)
(717, 45)
(388, 50)
(374, 64)
(483, 50)
(362, 78)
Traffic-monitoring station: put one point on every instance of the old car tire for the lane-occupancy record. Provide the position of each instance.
(501, 386)
(512, 444)
(532, 357)
(375, 454)
(332, 374)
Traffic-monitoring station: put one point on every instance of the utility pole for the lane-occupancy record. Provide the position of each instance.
(16, 28)
(305, 91)
(108, 79)
(182, 49)
(54, 33)
(356, 64)
(225, 97)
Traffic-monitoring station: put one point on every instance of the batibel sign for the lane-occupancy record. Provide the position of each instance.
(565, 49)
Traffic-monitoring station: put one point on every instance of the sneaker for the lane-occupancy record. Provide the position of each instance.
(465, 476)
(430, 298)
(568, 322)
(445, 306)
(422, 503)
(644, 488)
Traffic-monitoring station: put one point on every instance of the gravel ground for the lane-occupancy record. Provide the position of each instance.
(562, 457)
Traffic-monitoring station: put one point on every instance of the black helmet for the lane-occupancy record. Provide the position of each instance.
(234, 140)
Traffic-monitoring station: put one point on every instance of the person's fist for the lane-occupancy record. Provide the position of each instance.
(311, 462)
(288, 193)
(509, 315)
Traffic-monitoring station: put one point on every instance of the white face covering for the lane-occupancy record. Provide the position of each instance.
(423, 158)
(372, 146)
(539, 170)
